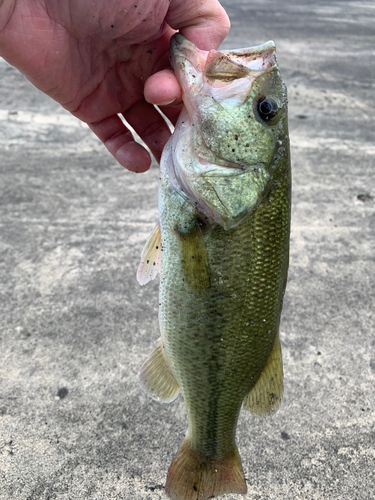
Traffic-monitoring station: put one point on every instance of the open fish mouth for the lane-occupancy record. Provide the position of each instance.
(218, 68)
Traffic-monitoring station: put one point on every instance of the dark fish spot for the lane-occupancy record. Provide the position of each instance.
(236, 137)
(285, 435)
(112, 26)
(62, 393)
(195, 488)
(123, 425)
(233, 150)
(247, 145)
(148, 262)
(319, 353)
(364, 197)
(149, 52)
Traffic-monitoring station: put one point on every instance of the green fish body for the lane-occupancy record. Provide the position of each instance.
(222, 246)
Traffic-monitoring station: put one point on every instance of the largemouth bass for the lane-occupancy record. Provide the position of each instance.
(221, 246)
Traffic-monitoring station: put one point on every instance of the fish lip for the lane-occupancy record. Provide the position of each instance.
(178, 39)
(175, 44)
(232, 170)
(179, 49)
(264, 48)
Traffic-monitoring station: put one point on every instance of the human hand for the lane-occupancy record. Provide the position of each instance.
(95, 58)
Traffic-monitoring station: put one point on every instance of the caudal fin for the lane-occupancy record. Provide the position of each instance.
(193, 476)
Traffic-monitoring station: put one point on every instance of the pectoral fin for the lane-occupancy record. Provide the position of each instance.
(156, 378)
(194, 257)
(149, 267)
(264, 398)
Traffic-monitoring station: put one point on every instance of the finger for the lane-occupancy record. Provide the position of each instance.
(163, 89)
(149, 125)
(120, 143)
(204, 23)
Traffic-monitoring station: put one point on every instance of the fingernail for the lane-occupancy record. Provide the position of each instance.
(165, 103)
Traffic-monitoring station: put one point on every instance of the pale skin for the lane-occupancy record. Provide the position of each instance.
(103, 58)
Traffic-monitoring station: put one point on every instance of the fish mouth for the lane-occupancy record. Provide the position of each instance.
(231, 170)
(219, 67)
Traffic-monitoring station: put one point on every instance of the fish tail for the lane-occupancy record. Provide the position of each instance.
(193, 476)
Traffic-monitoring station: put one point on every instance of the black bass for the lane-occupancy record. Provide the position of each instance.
(222, 248)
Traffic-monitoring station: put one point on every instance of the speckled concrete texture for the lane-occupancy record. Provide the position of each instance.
(75, 325)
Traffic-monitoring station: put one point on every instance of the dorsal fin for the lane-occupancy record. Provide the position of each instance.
(264, 398)
(149, 267)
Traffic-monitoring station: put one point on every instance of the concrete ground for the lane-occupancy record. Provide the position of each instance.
(76, 326)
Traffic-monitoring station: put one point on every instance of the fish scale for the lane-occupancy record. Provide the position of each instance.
(249, 259)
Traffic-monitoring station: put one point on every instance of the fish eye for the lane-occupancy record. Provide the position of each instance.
(267, 108)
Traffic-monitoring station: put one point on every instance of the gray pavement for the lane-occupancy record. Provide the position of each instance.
(75, 325)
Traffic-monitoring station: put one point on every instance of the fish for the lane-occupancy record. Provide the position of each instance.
(221, 247)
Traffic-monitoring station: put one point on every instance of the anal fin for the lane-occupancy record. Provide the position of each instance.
(149, 267)
(264, 398)
(156, 378)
